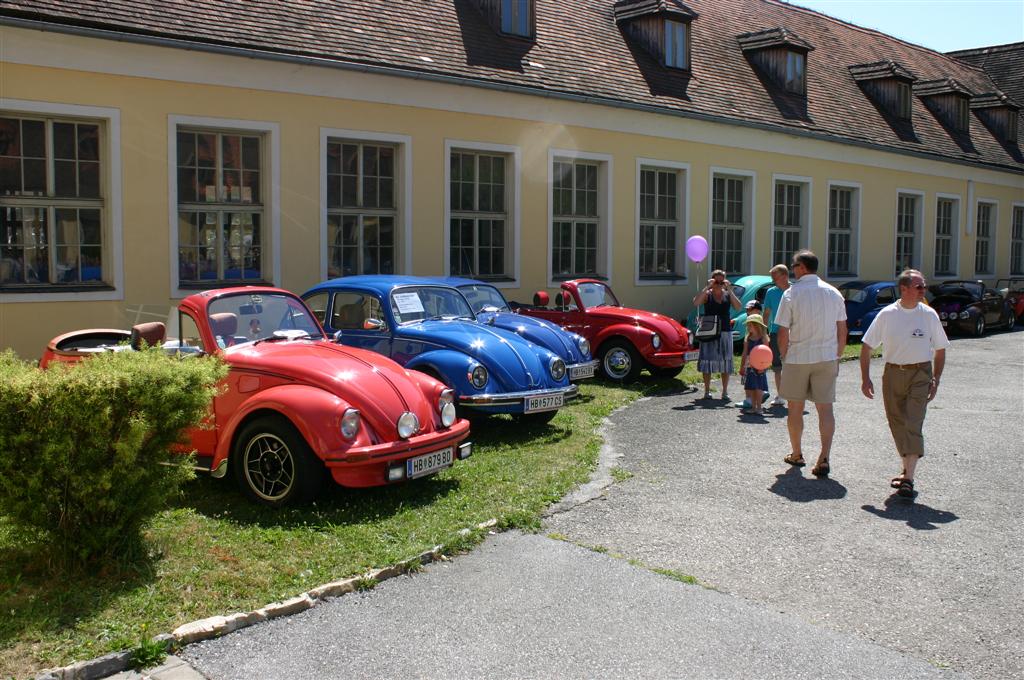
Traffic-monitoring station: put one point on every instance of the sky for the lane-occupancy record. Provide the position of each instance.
(942, 25)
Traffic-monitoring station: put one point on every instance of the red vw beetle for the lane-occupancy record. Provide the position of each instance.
(624, 340)
(295, 406)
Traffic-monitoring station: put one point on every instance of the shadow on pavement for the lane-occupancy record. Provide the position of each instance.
(704, 404)
(917, 516)
(793, 485)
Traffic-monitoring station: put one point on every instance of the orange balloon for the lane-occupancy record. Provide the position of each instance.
(761, 357)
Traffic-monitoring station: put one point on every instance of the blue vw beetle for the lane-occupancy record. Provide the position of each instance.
(430, 327)
(864, 300)
(491, 308)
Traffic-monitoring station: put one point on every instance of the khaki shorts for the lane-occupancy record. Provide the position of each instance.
(809, 382)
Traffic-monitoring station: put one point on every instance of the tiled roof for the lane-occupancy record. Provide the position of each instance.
(880, 69)
(772, 37)
(1003, 63)
(630, 9)
(926, 88)
(579, 51)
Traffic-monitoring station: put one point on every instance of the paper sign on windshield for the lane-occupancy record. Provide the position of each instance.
(408, 303)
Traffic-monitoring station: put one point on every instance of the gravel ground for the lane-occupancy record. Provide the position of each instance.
(527, 606)
(941, 579)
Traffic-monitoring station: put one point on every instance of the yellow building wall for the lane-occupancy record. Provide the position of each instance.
(146, 103)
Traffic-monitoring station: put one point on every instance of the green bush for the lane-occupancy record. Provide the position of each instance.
(85, 456)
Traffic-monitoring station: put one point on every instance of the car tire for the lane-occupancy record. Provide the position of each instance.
(979, 326)
(536, 419)
(1011, 320)
(620, 361)
(666, 373)
(274, 465)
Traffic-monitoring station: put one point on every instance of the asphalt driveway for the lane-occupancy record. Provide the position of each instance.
(806, 578)
(941, 578)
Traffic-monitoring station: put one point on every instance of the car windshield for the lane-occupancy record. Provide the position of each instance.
(738, 291)
(249, 317)
(1013, 285)
(851, 294)
(418, 303)
(960, 288)
(481, 295)
(597, 295)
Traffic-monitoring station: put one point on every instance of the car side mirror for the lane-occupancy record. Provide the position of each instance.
(373, 325)
(336, 337)
(489, 309)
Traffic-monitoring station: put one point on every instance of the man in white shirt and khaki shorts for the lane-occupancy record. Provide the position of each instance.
(812, 336)
(914, 350)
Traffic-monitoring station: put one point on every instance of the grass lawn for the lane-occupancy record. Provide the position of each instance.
(216, 553)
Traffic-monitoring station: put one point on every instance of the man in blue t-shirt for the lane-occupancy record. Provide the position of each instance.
(772, 299)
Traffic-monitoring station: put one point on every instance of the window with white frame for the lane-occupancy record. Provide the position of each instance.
(51, 203)
(729, 223)
(788, 227)
(1017, 242)
(796, 81)
(983, 241)
(515, 17)
(842, 231)
(660, 212)
(576, 195)
(221, 210)
(676, 47)
(947, 215)
(908, 217)
(362, 208)
(478, 201)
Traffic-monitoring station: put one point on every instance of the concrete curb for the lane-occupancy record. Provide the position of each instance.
(215, 626)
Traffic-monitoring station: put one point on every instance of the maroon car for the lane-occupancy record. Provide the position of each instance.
(1013, 290)
(624, 340)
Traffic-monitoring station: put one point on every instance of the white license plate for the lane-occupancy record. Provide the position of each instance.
(577, 372)
(691, 356)
(546, 402)
(430, 462)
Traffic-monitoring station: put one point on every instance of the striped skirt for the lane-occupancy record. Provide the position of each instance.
(716, 357)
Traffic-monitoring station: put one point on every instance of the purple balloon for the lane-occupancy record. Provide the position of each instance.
(696, 248)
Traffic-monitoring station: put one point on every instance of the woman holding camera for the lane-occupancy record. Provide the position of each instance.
(716, 355)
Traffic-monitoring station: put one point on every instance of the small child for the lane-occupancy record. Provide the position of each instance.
(755, 382)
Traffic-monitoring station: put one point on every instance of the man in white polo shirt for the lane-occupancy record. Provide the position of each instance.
(912, 340)
(812, 335)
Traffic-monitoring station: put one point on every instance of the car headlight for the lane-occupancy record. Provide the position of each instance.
(349, 423)
(584, 345)
(655, 340)
(964, 314)
(446, 405)
(408, 425)
(942, 315)
(557, 368)
(478, 376)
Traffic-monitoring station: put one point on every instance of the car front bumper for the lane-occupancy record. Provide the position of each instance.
(515, 398)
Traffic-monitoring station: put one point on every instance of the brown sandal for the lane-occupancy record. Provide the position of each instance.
(821, 469)
(794, 460)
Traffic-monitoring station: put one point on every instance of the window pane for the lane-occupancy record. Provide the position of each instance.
(207, 150)
(231, 152)
(251, 153)
(88, 142)
(64, 142)
(186, 149)
(88, 180)
(64, 178)
(10, 137)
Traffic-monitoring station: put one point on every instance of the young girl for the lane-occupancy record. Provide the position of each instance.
(754, 381)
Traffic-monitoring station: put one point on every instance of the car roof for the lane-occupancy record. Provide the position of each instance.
(459, 281)
(866, 284)
(378, 283)
(748, 280)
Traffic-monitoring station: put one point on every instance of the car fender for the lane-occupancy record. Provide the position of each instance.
(450, 365)
(308, 408)
(638, 336)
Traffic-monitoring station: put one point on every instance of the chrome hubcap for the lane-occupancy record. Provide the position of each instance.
(269, 467)
(617, 363)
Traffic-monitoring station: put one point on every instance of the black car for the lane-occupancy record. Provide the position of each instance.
(970, 307)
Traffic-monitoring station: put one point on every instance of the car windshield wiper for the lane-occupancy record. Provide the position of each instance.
(285, 335)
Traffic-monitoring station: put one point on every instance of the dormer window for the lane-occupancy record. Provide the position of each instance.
(509, 17)
(517, 17)
(999, 113)
(903, 100)
(948, 100)
(781, 55)
(661, 27)
(677, 44)
(795, 80)
(887, 84)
